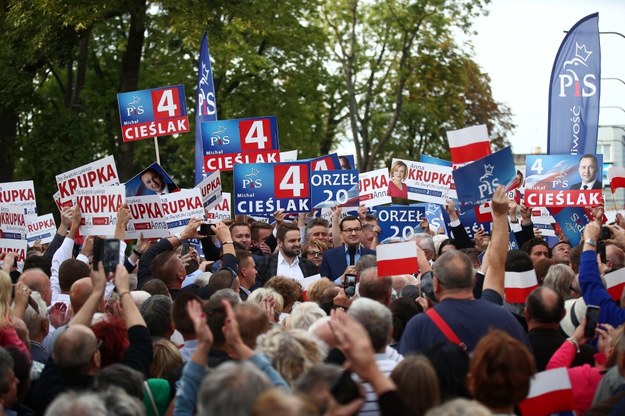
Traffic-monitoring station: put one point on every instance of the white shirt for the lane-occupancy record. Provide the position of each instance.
(289, 270)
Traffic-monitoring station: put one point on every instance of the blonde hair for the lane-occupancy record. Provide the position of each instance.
(166, 358)
(292, 352)
(5, 299)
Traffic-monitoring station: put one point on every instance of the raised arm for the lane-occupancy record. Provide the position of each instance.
(498, 247)
(85, 314)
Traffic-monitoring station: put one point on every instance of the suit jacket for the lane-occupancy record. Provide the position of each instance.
(578, 185)
(334, 261)
(267, 267)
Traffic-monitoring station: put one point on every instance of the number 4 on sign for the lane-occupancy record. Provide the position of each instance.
(291, 181)
(255, 134)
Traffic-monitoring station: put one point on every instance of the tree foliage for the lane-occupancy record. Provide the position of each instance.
(385, 74)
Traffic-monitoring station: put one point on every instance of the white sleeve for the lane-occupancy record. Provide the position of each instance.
(63, 253)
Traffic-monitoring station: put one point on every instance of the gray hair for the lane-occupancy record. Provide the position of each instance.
(366, 262)
(156, 311)
(460, 407)
(305, 314)
(376, 318)
(454, 270)
(32, 318)
(227, 294)
(560, 278)
(120, 403)
(75, 403)
(231, 389)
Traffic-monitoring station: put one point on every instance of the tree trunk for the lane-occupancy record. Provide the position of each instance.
(131, 65)
(8, 134)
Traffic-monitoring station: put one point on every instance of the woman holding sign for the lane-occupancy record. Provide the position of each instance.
(396, 187)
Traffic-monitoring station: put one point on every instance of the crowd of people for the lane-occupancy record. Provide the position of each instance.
(266, 320)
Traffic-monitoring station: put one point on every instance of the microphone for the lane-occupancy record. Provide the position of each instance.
(352, 254)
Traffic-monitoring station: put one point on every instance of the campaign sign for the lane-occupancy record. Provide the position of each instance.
(476, 182)
(541, 215)
(12, 222)
(347, 162)
(43, 229)
(146, 217)
(434, 160)
(179, 207)
(328, 162)
(153, 180)
(222, 210)
(399, 223)
(264, 188)
(374, 188)
(244, 140)
(334, 188)
(572, 222)
(563, 180)
(470, 221)
(422, 181)
(512, 243)
(18, 247)
(21, 193)
(98, 207)
(210, 188)
(102, 172)
(152, 113)
(546, 230)
(288, 156)
(434, 215)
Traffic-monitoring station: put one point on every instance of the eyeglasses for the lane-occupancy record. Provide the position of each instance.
(315, 253)
(352, 230)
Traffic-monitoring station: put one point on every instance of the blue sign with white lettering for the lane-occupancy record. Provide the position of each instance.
(333, 188)
(434, 215)
(399, 223)
(264, 188)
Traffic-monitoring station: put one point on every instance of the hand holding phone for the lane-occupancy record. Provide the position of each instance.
(592, 318)
(350, 285)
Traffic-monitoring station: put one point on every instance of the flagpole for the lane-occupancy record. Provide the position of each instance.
(158, 157)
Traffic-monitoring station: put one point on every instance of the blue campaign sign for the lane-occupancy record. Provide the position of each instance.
(334, 188)
(151, 113)
(434, 160)
(561, 172)
(468, 219)
(434, 215)
(572, 222)
(477, 181)
(246, 140)
(264, 188)
(399, 223)
(512, 243)
(328, 162)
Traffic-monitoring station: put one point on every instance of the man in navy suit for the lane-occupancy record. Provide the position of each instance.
(587, 170)
(336, 261)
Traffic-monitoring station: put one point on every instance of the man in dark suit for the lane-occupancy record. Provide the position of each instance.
(587, 169)
(336, 261)
(246, 273)
(543, 311)
(286, 262)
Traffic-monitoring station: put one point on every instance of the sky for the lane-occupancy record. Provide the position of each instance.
(516, 45)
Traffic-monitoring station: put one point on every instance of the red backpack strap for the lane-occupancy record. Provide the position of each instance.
(445, 329)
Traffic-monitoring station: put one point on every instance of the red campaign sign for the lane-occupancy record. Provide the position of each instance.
(150, 113)
(291, 181)
(225, 162)
(563, 198)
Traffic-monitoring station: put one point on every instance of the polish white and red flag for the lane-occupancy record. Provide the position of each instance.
(550, 392)
(397, 258)
(519, 284)
(615, 282)
(468, 144)
(616, 174)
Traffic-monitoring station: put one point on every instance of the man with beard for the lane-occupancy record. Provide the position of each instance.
(286, 262)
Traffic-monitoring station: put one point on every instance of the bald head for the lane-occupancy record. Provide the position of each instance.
(374, 287)
(75, 350)
(79, 293)
(544, 306)
(38, 281)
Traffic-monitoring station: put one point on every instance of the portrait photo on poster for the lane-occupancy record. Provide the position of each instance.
(153, 180)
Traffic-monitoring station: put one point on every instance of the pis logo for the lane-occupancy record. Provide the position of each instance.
(586, 87)
(218, 138)
(251, 180)
(487, 185)
(133, 107)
